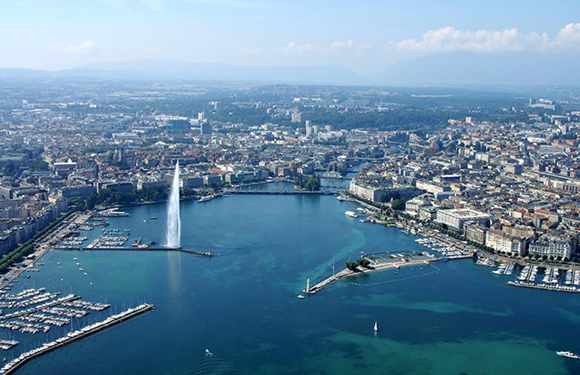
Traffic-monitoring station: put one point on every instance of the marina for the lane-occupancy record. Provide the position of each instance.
(73, 336)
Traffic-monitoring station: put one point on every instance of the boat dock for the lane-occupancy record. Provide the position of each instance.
(402, 262)
(73, 336)
(69, 298)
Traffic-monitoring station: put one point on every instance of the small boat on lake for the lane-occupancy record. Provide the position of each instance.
(568, 354)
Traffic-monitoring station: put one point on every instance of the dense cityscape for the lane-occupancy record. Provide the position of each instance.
(289, 187)
(504, 175)
(488, 176)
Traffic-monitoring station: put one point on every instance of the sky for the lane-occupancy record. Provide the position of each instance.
(365, 35)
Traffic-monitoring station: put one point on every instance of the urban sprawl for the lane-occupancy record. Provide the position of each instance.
(504, 175)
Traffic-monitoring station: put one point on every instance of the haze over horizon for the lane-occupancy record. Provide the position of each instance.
(367, 39)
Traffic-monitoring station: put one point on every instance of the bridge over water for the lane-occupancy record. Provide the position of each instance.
(287, 192)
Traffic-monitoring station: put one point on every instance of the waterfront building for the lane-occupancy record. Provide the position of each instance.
(428, 213)
(381, 193)
(500, 241)
(476, 233)
(150, 184)
(115, 186)
(414, 205)
(552, 246)
(191, 182)
(360, 189)
(212, 179)
(456, 218)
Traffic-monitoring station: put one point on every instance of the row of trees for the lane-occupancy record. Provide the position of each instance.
(28, 247)
(109, 197)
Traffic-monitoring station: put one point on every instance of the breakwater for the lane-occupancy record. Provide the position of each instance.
(73, 336)
(374, 267)
(125, 248)
(555, 287)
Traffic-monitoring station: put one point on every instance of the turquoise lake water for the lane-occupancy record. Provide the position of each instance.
(450, 318)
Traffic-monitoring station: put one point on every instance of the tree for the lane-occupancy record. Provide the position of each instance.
(351, 265)
(363, 262)
(398, 204)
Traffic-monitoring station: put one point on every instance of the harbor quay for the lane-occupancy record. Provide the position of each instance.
(126, 248)
(44, 246)
(75, 335)
(378, 263)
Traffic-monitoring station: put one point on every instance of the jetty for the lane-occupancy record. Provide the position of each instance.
(376, 265)
(553, 287)
(126, 248)
(73, 336)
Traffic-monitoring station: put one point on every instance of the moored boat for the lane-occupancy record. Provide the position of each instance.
(351, 214)
(206, 198)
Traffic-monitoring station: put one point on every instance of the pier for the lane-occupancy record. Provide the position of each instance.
(73, 336)
(552, 287)
(69, 298)
(376, 266)
(126, 248)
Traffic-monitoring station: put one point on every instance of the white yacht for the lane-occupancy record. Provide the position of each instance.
(351, 214)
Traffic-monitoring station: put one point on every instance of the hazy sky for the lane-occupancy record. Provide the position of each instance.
(364, 35)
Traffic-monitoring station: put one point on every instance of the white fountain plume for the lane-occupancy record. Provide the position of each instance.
(173, 220)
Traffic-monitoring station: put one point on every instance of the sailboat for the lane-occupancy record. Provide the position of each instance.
(376, 326)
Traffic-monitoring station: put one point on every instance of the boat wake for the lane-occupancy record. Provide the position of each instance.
(215, 365)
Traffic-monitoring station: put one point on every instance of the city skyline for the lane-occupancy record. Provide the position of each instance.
(367, 38)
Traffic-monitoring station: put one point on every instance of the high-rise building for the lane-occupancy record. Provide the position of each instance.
(205, 128)
(308, 128)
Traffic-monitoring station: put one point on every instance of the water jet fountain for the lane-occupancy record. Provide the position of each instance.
(173, 234)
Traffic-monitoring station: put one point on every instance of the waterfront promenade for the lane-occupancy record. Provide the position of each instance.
(44, 246)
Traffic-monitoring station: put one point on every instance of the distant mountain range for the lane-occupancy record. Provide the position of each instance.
(441, 70)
